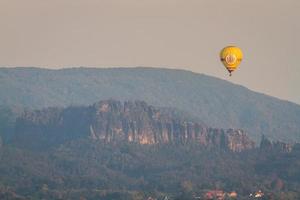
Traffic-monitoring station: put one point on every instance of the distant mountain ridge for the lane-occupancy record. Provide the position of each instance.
(113, 121)
(216, 102)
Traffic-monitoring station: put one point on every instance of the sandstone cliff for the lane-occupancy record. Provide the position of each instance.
(113, 121)
(278, 146)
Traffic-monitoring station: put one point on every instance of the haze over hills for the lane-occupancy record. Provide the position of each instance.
(112, 121)
(115, 150)
(132, 150)
(216, 102)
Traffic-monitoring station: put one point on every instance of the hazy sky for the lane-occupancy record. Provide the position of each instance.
(185, 34)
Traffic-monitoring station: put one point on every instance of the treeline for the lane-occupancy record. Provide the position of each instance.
(89, 169)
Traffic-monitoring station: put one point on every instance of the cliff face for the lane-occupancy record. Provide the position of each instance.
(113, 121)
(138, 122)
(200, 95)
(277, 146)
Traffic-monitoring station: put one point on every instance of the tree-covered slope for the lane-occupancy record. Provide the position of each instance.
(89, 169)
(216, 102)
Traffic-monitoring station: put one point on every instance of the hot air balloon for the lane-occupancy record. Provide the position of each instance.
(231, 57)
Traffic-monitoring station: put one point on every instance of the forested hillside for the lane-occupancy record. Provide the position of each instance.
(216, 102)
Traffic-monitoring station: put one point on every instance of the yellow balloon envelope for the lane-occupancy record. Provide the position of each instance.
(231, 57)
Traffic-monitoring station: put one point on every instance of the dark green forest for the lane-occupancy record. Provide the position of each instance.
(50, 154)
(87, 169)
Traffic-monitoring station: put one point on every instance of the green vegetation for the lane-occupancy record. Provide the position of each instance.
(95, 170)
(62, 163)
(216, 102)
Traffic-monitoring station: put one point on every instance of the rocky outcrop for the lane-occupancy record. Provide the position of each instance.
(113, 121)
(140, 123)
(278, 146)
(238, 140)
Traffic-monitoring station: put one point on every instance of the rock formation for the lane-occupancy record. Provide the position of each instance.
(112, 120)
